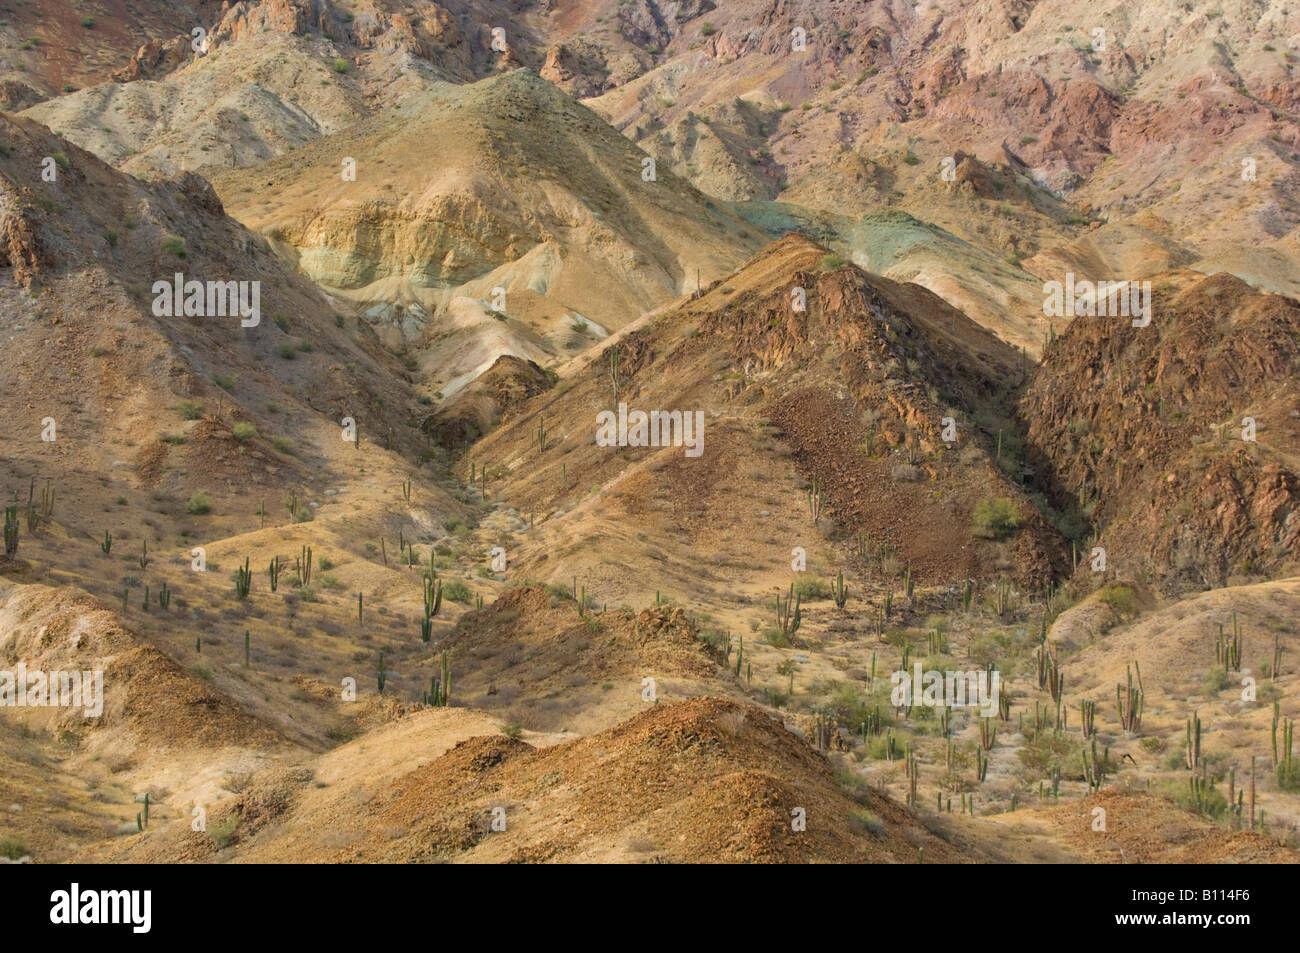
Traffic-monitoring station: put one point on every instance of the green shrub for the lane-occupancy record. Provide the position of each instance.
(1121, 598)
(997, 518)
(174, 245)
(244, 431)
(190, 409)
(12, 848)
(199, 504)
(457, 591)
(223, 831)
(340, 65)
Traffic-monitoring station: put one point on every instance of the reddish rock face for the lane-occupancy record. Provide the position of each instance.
(1148, 423)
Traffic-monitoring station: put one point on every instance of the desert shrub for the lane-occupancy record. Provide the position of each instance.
(174, 245)
(1288, 775)
(997, 518)
(809, 588)
(12, 848)
(1121, 598)
(190, 409)
(198, 504)
(457, 591)
(223, 831)
(1214, 804)
(1215, 681)
(244, 431)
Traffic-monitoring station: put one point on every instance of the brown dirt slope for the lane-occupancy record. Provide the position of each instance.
(147, 697)
(1146, 830)
(707, 780)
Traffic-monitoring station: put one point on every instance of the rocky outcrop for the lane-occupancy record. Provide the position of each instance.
(1148, 430)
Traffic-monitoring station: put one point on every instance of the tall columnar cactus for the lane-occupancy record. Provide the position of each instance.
(303, 565)
(107, 544)
(838, 590)
(432, 603)
(1094, 770)
(1227, 648)
(248, 648)
(1192, 754)
(1050, 675)
(1129, 702)
(11, 531)
(816, 502)
(446, 681)
(406, 490)
(1282, 756)
(909, 587)
(968, 595)
(361, 602)
(788, 614)
(988, 734)
(913, 775)
(1087, 711)
(541, 433)
(273, 572)
(381, 675)
(1277, 658)
(144, 554)
(164, 597)
(243, 580)
(613, 370)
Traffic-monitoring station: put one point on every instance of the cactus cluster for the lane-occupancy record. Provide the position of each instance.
(1129, 701)
(1227, 648)
(1095, 769)
(788, 614)
(816, 502)
(1087, 712)
(243, 580)
(432, 603)
(439, 692)
(1049, 671)
(839, 592)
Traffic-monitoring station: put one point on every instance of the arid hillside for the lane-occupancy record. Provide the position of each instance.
(646, 431)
